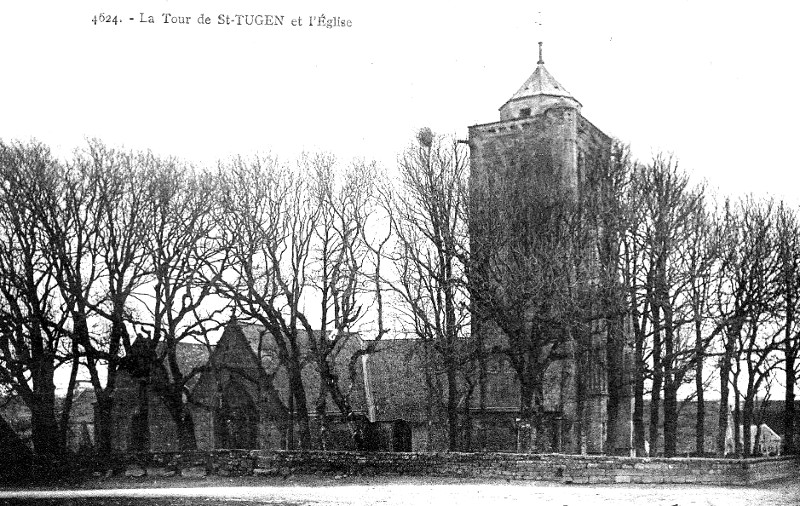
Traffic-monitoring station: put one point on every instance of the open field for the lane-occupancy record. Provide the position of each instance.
(304, 490)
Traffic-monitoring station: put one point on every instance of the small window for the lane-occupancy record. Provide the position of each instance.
(524, 112)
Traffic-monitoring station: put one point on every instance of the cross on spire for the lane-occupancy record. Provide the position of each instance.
(540, 62)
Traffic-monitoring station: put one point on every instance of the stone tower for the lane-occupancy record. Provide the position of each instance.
(543, 148)
(541, 126)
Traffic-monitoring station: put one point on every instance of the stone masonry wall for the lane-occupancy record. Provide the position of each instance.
(546, 467)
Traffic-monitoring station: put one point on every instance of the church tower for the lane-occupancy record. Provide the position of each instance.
(541, 126)
(542, 150)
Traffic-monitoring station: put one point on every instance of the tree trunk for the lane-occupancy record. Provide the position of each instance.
(615, 370)
(737, 422)
(182, 418)
(466, 440)
(747, 421)
(42, 399)
(42, 404)
(430, 397)
(103, 423)
(44, 429)
(638, 396)
(700, 422)
(328, 386)
(671, 383)
(451, 340)
(67, 408)
(452, 405)
(290, 425)
(724, 393)
(300, 405)
(670, 419)
(526, 443)
(655, 399)
(789, 411)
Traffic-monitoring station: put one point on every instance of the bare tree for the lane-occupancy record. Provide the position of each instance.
(748, 297)
(85, 217)
(701, 261)
(266, 221)
(34, 317)
(429, 215)
(609, 215)
(346, 264)
(634, 259)
(178, 247)
(96, 239)
(669, 255)
(296, 239)
(788, 243)
(761, 337)
(668, 203)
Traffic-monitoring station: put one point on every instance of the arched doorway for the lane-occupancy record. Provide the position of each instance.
(236, 419)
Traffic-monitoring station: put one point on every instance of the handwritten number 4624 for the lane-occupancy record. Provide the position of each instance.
(105, 18)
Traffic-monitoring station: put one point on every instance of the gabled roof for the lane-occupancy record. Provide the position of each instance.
(766, 431)
(772, 413)
(541, 83)
(251, 347)
(263, 343)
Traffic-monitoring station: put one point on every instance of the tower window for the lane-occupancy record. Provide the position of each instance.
(524, 112)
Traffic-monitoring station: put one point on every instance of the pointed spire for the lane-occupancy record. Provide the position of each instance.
(541, 82)
(538, 92)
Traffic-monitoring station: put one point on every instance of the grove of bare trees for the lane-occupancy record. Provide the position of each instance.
(110, 259)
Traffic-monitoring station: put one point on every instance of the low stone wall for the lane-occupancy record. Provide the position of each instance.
(549, 467)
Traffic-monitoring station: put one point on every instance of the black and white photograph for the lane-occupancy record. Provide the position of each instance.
(361, 253)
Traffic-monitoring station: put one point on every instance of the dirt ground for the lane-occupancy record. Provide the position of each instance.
(307, 490)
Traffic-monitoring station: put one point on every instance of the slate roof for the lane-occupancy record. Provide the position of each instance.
(397, 380)
(189, 356)
(541, 82)
(259, 337)
(264, 348)
(399, 390)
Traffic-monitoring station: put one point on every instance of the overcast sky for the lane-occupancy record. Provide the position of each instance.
(715, 83)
